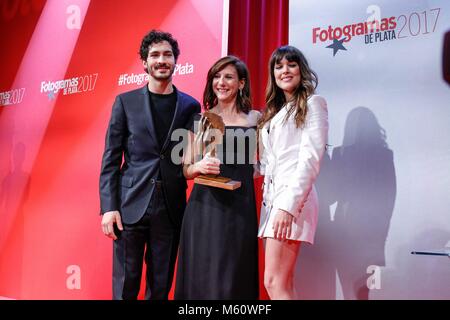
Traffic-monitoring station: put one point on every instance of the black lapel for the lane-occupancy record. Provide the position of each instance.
(149, 116)
(178, 108)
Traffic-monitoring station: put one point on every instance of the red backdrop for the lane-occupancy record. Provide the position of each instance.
(257, 27)
(51, 141)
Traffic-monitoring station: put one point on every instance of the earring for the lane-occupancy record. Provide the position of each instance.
(240, 92)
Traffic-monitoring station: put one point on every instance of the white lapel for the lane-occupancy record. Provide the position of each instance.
(265, 137)
(278, 118)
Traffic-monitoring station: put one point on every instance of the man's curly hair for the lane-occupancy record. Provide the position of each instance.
(156, 36)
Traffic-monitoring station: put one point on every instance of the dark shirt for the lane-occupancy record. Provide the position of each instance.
(163, 110)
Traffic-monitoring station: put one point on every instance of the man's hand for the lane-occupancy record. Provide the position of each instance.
(108, 220)
(282, 225)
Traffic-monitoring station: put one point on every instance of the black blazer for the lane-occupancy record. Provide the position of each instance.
(128, 185)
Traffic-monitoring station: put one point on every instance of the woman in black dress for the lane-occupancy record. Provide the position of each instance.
(218, 255)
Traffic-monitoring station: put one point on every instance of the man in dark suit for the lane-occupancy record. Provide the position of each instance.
(142, 190)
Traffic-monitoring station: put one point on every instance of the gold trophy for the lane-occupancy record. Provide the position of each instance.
(209, 135)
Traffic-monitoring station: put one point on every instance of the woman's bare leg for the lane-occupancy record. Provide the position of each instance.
(280, 259)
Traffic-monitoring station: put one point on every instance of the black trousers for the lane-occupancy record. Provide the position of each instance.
(152, 239)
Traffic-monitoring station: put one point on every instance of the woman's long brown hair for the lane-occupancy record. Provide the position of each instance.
(275, 98)
(243, 99)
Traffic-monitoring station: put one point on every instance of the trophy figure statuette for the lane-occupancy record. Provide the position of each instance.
(207, 138)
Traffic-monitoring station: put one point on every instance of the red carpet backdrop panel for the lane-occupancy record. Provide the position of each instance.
(63, 62)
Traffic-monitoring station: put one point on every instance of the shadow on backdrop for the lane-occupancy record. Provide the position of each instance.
(359, 181)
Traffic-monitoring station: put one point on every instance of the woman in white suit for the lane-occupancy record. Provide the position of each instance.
(293, 132)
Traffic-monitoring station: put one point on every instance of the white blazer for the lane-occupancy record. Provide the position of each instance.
(290, 162)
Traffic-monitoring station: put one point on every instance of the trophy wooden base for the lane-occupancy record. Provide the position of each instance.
(217, 182)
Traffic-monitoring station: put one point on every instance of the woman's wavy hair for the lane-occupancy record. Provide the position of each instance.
(244, 97)
(275, 98)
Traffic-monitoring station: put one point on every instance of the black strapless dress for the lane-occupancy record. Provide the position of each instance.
(218, 254)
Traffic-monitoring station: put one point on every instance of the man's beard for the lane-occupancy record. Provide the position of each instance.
(168, 75)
